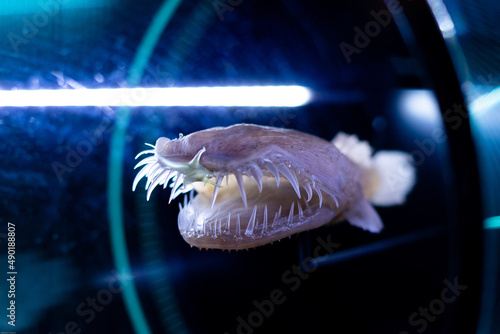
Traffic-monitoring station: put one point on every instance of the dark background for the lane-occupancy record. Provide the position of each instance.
(63, 234)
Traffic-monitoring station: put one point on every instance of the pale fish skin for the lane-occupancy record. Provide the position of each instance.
(258, 184)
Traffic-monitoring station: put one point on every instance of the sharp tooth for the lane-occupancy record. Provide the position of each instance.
(218, 181)
(257, 175)
(145, 171)
(251, 222)
(177, 183)
(167, 179)
(140, 175)
(290, 175)
(272, 168)
(264, 224)
(243, 194)
(336, 202)
(219, 228)
(191, 195)
(316, 187)
(145, 152)
(309, 191)
(182, 189)
(238, 228)
(152, 173)
(277, 217)
(275, 220)
(198, 228)
(290, 215)
(145, 161)
(313, 181)
(180, 206)
(156, 181)
(215, 229)
(228, 223)
(185, 200)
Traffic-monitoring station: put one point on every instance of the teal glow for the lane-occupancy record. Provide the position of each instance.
(115, 170)
(483, 103)
(41, 7)
(141, 59)
(492, 222)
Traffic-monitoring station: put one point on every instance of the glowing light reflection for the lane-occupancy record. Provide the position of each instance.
(242, 96)
(419, 107)
(442, 17)
(492, 222)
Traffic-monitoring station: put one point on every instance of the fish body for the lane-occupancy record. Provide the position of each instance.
(258, 184)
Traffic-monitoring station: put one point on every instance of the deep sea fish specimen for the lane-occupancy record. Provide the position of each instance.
(258, 184)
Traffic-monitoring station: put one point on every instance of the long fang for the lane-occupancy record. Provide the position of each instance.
(257, 175)
(218, 181)
(316, 187)
(177, 182)
(140, 175)
(145, 152)
(156, 181)
(243, 194)
(170, 175)
(152, 174)
(336, 202)
(272, 168)
(307, 187)
(145, 162)
(290, 215)
(251, 222)
(290, 175)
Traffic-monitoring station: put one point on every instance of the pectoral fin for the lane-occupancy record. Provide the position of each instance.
(363, 215)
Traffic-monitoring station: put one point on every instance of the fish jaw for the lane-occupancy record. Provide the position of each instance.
(277, 183)
(270, 215)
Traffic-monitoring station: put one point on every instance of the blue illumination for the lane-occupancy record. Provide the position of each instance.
(48, 7)
(483, 103)
(419, 107)
(492, 222)
(442, 17)
(115, 168)
(242, 96)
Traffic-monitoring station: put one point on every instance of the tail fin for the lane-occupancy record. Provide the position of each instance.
(393, 172)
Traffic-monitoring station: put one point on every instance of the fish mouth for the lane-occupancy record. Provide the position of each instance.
(259, 202)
